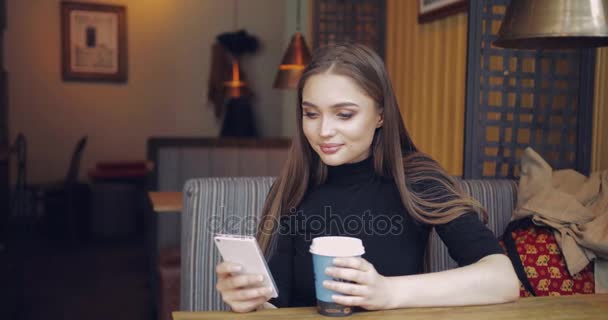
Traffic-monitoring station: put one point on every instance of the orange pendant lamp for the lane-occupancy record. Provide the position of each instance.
(294, 61)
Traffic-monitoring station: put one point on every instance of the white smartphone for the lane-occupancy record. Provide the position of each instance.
(245, 251)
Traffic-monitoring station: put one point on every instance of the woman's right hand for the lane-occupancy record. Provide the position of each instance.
(242, 292)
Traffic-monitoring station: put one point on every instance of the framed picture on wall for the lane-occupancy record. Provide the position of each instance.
(94, 42)
(429, 10)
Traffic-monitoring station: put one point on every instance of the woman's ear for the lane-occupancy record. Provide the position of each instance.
(380, 121)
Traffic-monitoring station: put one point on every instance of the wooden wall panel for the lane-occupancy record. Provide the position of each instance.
(427, 64)
(599, 150)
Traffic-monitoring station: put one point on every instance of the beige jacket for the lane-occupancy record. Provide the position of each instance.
(574, 205)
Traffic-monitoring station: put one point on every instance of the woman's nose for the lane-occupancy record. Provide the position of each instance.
(327, 128)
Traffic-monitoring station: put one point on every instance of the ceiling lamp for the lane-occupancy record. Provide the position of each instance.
(294, 61)
(554, 24)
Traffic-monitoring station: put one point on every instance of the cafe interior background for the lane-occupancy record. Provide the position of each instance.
(97, 265)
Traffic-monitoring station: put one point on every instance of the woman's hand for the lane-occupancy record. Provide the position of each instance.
(242, 292)
(369, 290)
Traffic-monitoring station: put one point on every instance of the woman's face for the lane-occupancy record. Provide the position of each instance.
(339, 119)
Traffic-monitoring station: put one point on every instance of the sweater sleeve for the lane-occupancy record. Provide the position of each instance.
(281, 266)
(468, 239)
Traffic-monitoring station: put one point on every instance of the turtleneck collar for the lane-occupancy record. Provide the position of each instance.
(351, 173)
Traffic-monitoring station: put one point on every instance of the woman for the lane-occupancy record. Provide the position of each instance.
(352, 160)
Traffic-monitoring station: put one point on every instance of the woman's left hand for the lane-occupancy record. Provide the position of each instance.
(369, 290)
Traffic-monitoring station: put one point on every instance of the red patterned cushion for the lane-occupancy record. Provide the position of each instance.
(542, 264)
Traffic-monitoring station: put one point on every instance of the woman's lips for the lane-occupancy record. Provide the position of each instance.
(330, 148)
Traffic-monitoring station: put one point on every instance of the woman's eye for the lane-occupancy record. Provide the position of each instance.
(311, 115)
(345, 115)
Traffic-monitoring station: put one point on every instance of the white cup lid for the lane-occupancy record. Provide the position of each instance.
(337, 246)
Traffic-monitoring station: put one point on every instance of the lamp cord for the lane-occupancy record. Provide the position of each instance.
(298, 17)
(236, 12)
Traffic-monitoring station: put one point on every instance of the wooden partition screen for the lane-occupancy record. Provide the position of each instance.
(520, 98)
(361, 21)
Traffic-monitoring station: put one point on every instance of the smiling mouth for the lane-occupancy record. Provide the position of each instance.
(331, 149)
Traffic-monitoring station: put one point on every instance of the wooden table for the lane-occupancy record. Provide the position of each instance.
(166, 201)
(164, 222)
(591, 307)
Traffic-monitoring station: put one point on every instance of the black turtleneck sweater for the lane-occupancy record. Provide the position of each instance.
(355, 202)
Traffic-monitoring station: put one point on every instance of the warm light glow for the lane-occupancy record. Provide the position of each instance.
(235, 70)
(236, 81)
(235, 84)
(292, 67)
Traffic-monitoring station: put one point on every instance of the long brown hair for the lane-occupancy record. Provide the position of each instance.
(393, 151)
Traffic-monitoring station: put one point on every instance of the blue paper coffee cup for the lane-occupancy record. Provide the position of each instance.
(324, 250)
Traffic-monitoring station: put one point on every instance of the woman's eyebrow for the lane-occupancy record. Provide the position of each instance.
(337, 105)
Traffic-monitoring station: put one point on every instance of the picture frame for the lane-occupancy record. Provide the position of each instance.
(94, 42)
(430, 10)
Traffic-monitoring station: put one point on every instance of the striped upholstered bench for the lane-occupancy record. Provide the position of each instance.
(236, 202)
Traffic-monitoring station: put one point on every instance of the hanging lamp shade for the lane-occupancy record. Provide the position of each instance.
(234, 85)
(294, 61)
(554, 24)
